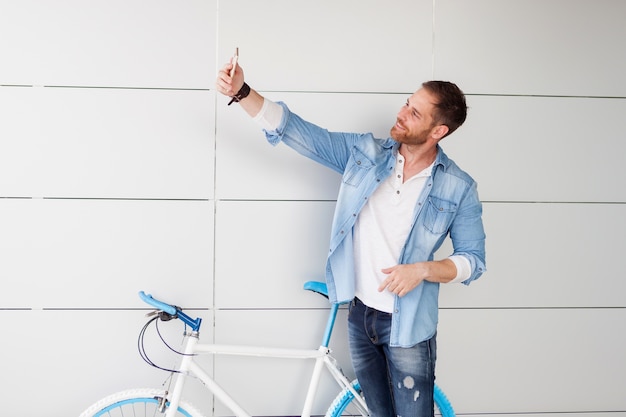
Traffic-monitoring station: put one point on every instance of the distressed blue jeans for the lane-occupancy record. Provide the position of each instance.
(395, 381)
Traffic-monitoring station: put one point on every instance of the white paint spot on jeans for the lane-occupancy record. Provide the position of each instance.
(409, 383)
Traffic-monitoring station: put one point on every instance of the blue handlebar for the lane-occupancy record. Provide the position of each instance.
(158, 304)
(172, 311)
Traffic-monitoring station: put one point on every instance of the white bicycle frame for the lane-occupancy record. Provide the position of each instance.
(169, 402)
(189, 367)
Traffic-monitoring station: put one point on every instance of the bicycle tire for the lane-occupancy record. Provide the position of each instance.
(342, 403)
(136, 402)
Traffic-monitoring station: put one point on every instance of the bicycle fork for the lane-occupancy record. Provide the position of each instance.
(183, 371)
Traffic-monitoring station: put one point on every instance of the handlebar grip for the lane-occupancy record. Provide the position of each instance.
(147, 298)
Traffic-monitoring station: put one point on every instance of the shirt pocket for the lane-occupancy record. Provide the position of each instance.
(358, 167)
(439, 215)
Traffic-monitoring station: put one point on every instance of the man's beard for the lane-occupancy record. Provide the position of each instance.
(402, 136)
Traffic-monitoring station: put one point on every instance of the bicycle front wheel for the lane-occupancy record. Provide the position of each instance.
(344, 404)
(136, 403)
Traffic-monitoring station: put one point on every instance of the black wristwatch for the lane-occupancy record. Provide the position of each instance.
(241, 94)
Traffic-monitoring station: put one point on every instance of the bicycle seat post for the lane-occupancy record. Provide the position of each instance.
(332, 316)
(322, 289)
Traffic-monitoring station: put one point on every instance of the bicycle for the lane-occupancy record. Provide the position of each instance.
(144, 402)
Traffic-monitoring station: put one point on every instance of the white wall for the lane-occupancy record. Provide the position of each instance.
(121, 170)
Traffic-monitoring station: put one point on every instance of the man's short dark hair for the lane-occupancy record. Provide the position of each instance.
(451, 108)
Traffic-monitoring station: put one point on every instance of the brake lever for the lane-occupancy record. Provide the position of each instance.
(153, 313)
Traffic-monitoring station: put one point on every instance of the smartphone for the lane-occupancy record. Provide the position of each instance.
(233, 61)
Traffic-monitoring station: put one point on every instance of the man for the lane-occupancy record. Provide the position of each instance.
(399, 199)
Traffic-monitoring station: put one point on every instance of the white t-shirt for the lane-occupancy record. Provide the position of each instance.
(381, 231)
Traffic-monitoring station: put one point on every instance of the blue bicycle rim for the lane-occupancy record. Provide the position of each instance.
(122, 403)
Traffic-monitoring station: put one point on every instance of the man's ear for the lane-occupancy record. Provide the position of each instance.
(440, 131)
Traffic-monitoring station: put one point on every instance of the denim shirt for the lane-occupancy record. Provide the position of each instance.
(449, 204)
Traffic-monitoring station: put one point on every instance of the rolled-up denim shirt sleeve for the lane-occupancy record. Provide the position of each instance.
(468, 235)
